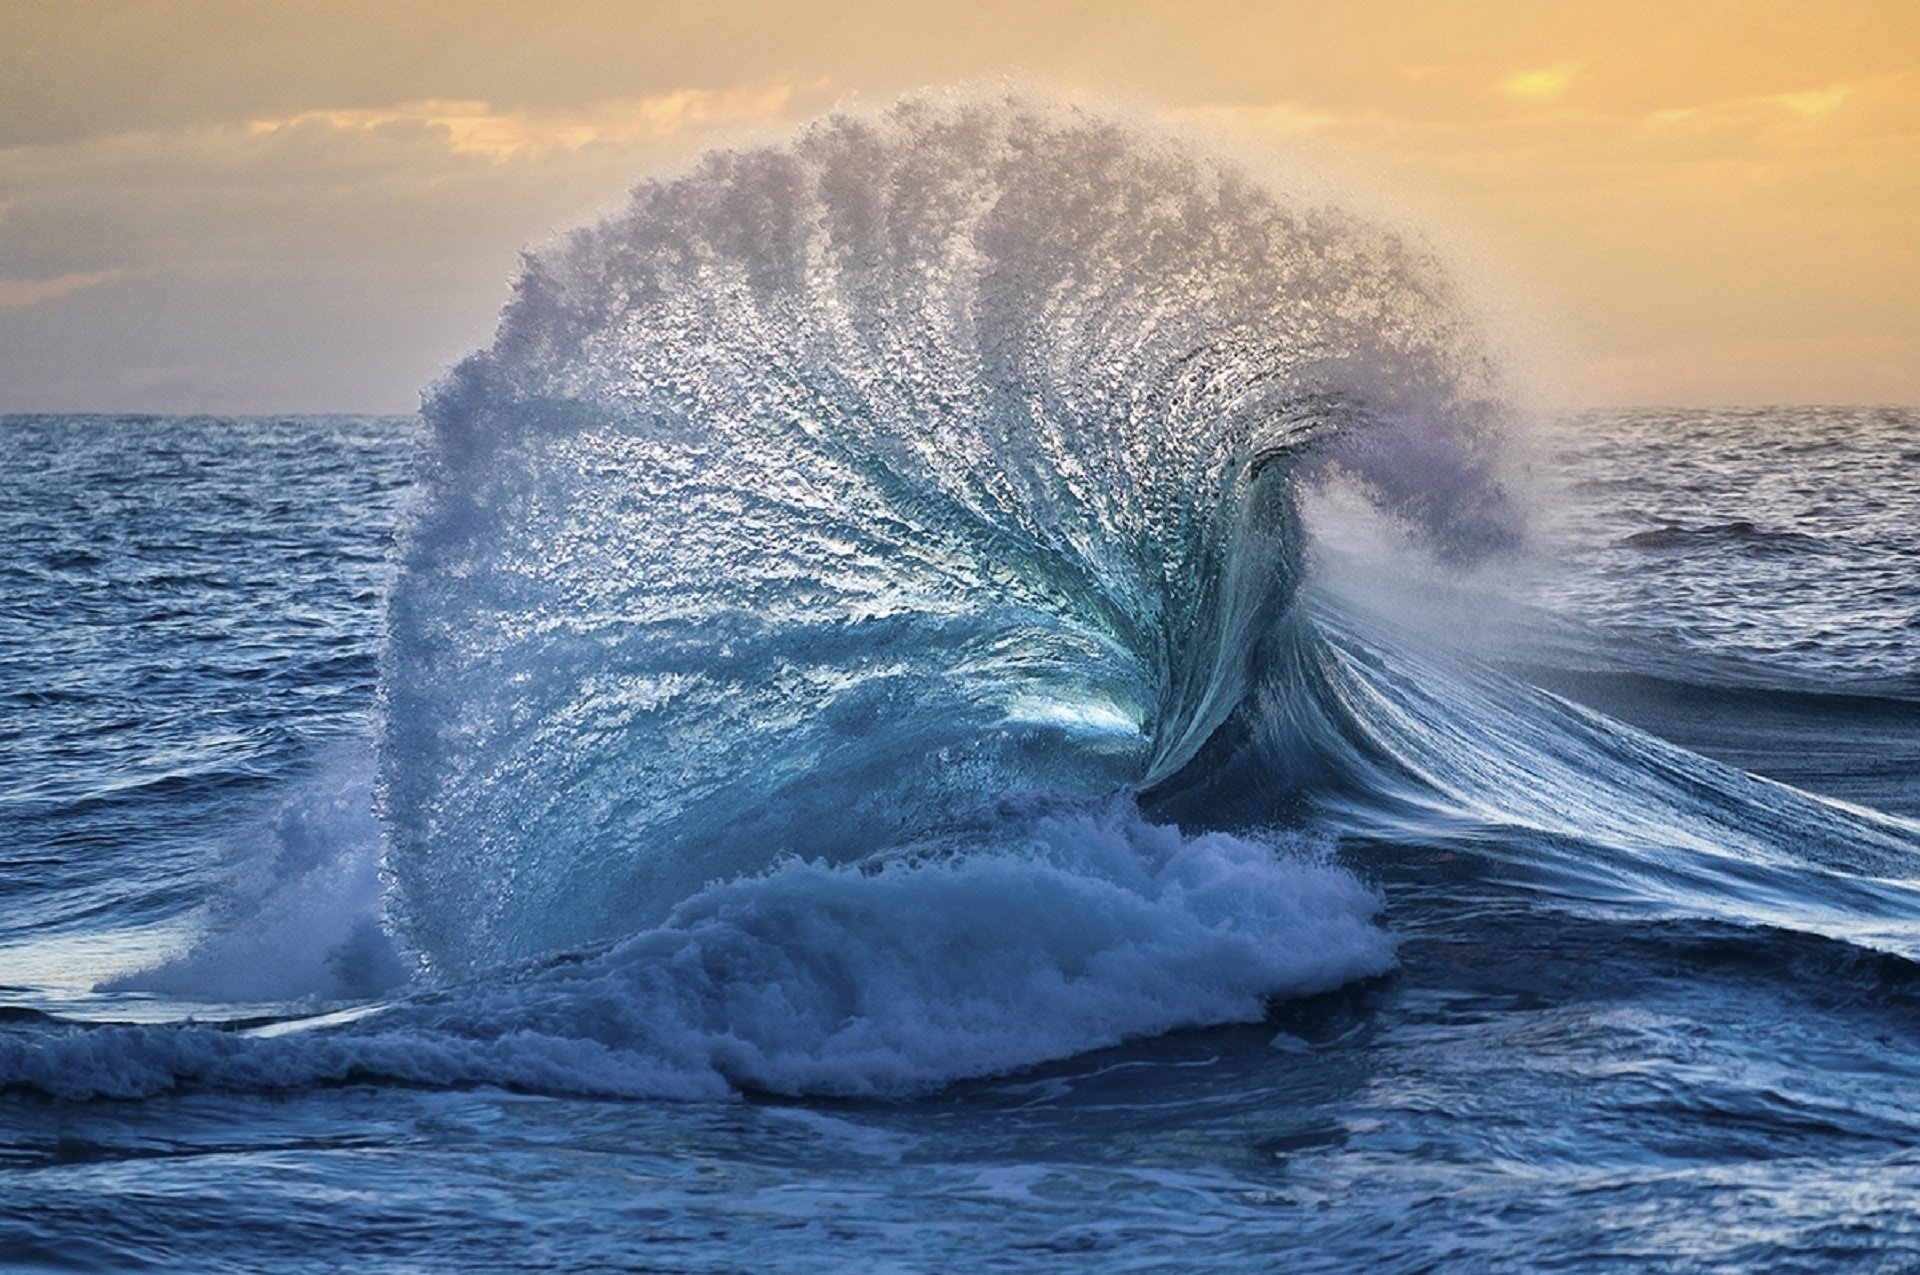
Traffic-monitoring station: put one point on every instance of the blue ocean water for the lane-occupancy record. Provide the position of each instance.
(974, 689)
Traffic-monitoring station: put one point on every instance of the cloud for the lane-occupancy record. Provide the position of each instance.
(331, 188)
(1281, 119)
(1542, 84)
(18, 294)
(473, 127)
(1784, 114)
(322, 259)
(1815, 105)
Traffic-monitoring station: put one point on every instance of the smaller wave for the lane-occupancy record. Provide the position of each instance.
(1083, 928)
(1409, 746)
(301, 916)
(1739, 532)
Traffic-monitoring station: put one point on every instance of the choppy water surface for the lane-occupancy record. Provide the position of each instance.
(833, 746)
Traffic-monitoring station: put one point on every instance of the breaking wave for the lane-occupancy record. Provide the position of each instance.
(855, 634)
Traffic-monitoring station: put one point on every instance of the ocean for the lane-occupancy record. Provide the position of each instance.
(976, 689)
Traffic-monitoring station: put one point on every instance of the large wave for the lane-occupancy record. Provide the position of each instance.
(838, 487)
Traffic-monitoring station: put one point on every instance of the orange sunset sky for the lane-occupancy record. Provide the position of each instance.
(282, 206)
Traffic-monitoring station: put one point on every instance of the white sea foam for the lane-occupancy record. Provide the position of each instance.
(1095, 928)
(300, 914)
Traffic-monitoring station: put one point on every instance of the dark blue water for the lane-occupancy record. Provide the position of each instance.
(920, 762)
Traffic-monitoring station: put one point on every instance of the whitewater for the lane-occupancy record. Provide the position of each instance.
(979, 681)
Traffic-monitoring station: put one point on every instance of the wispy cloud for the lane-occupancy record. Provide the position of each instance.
(474, 127)
(1283, 119)
(18, 294)
(1809, 106)
(1541, 84)
(1816, 104)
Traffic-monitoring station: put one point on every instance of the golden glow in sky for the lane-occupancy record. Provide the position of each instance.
(1544, 84)
(240, 206)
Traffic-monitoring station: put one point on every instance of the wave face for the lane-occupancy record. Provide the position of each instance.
(838, 492)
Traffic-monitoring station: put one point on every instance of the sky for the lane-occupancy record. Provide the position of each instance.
(245, 206)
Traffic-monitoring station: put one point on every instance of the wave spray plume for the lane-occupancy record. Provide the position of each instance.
(839, 489)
